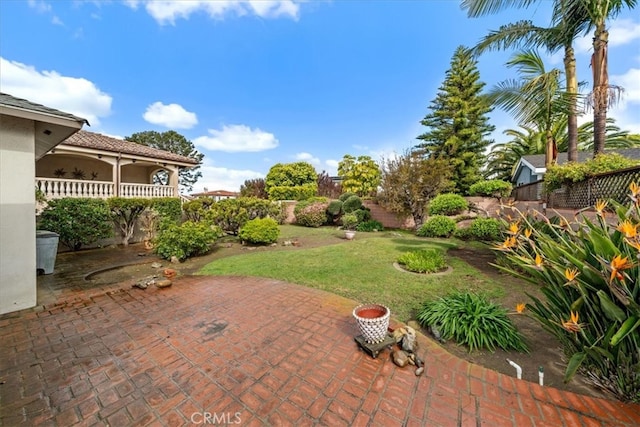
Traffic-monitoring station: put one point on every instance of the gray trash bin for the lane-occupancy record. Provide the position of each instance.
(46, 250)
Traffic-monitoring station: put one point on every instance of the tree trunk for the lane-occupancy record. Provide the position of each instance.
(551, 151)
(572, 88)
(600, 88)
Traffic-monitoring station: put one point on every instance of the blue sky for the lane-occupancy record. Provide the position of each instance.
(255, 83)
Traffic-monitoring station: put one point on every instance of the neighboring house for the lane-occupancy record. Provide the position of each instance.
(92, 165)
(532, 168)
(27, 132)
(217, 195)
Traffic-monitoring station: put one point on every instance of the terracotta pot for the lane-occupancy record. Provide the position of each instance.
(373, 321)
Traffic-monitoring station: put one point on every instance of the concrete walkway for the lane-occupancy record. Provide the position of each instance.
(250, 352)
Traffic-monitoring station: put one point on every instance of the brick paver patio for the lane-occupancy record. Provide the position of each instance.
(251, 352)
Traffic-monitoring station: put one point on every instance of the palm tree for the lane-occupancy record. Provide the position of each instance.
(525, 35)
(535, 100)
(503, 157)
(602, 95)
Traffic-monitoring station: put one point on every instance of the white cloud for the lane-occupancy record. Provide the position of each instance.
(219, 178)
(621, 32)
(306, 157)
(167, 12)
(170, 116)
(237, 138)
(57, 21)
(39, 6)
(69, 94)
(630, 81)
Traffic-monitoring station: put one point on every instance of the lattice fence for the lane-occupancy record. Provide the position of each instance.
(611, 185)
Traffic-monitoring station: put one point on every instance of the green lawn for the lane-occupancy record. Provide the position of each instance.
(361, 269)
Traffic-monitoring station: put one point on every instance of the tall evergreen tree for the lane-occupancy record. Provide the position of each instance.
(458, 122)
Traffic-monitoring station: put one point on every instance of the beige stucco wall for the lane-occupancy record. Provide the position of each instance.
(17, 215)
(46, 166)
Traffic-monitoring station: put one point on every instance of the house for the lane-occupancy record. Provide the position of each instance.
(89, 164)
(27, 132)
(532, 168)
(217, 195)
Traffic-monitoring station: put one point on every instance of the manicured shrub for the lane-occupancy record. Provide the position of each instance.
(334, 210)
(78, 221)
(588, 270)
(352, 204)
(370, 225)
(312, 215)
(300, 192)
(448, 204)
(262, 208)
(423, 261)
(344, 196)
(228, 214)
(349, 221)
(196, 209)
(169, 210)
(186, 240)
(260, 231)
(472, 320)
(437, 226)
(125, 213)
(363, 214)
(486, 229)
(491, 188)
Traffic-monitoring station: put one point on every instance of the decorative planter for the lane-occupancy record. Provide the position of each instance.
(373, 321)
(349, 234)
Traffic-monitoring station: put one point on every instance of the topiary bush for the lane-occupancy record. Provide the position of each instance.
(186, 240)
(448, 204)
(260, 231)
(491, 188)
(485, 229)
(228, 214)
(312, 215)
(78, 221)
(423, 261)
(370, 225)
(437, 226)
(352, 204)
(169, 210)
(472, 320)
(344, 196)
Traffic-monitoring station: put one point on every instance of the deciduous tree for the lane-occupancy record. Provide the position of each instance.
(359, 175)
(291, 181)
(409, 181)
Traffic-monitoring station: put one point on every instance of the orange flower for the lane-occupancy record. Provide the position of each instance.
(572, 325)
(600, 207)
(538, 261)
(508, 244)
(628, 229)
(635, 189)
(520, 307)
(618, 264)
(514, 227)
(571, 274)
(527, 233)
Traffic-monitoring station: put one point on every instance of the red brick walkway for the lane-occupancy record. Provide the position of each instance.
(253, 352)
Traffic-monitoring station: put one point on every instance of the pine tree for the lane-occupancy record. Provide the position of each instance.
(458, 122)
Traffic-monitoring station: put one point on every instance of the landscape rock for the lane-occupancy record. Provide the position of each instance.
(175, 260)
(400, 358)
(156, 265)
(163, 283)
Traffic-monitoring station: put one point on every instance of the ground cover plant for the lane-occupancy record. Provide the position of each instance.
(423, 261)
(472, 320)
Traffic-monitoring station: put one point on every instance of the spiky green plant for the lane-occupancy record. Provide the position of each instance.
(589, 272)
(472, 320)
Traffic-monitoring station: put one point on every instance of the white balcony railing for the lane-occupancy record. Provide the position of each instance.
(56, 188)
(146, 190)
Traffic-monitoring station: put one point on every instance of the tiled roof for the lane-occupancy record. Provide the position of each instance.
(106, 143)
(537, 160)
(11, 101)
